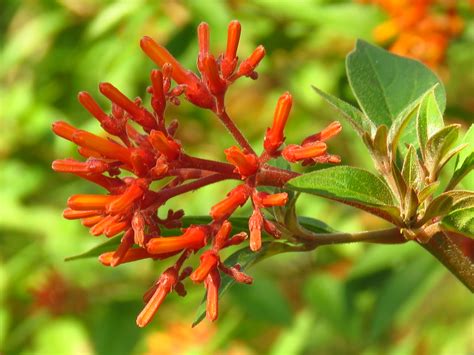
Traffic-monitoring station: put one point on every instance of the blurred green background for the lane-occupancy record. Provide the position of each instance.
(353, 299)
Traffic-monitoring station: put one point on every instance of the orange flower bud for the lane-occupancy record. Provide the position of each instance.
(193, 238)
(165, 285)
(274, 136)
(166, 146)
(161, 56)
(209, 261)
(237, 197)
(248, 65)
(246, 164)
(255, 227)
(123, 202)
(69, 213)
(91, 105)
(293, 152)
(330, 131)
(212, 283)
(64, 130)
(138, 114)
(101, 145)
(229, 61)
(90, 202)
(216, 85)
(265, 199)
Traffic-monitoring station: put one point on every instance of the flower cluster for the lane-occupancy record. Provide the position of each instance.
(141, 143)
(420, 29)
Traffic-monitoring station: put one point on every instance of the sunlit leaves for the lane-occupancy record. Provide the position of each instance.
(385, 84)
(353, 186)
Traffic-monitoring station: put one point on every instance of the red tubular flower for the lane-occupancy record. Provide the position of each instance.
(69, 213)
(293, 152)
(91, 105)
(74, 166)
(166, 146)
(138, 226)
(255, 227)
(274, 136)
(203, 43)
(115, 228)
(164, 286)
(235, 198)
(248, 66)
(195, 90)
(133, 254)
(64, 130)
(100, 227)
(265, 199)
(161, 56)
(103, 146)
(209, 261)
(158, 101)
(330, 131)
(90, 202)
(229, 62)
(193, 238)
(138, 114)
(212, 283)
(216, 85)
(91, 221)
(123, 202)
(246, 164)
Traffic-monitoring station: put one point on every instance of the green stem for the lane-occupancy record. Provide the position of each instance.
(446, 251)
(382, 236)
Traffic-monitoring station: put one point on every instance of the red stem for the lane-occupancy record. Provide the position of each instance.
(211, 165)
(233, 129)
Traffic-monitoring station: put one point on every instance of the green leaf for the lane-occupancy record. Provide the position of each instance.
(429, 120)
(402, 120)
(427, 191)
(440, 206)
(411, 171)
(465, 160)
(353, 115)
(108, 245)
(438, 148)
(353, 186)
(385, 84)
(466, 201)
(245, 258)
(465, 154)
(460, 221)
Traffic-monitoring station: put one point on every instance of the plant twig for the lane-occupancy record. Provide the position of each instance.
(448, 253)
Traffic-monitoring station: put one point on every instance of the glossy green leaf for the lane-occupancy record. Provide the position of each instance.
(460, 221)
(411, 171)
(439, 207)
(353, 115)
(464, 161)
(397, 130)
(353, 186)
(429, 120)
(385, 84)
(108, 245)
(428, 191)
(438, 147)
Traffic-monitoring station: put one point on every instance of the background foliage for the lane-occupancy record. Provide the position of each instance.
(343, 299)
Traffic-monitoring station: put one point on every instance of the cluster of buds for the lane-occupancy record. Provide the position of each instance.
(417, 29)
(141, 143)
